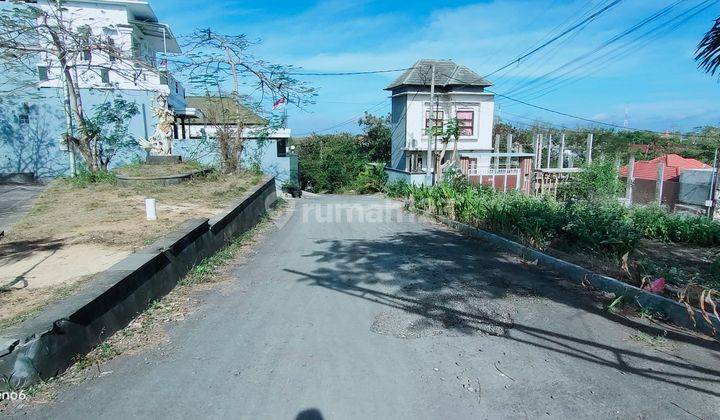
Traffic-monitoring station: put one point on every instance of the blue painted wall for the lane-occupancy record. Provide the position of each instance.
(33, 145)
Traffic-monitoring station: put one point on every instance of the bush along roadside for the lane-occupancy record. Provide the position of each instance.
(616, 238)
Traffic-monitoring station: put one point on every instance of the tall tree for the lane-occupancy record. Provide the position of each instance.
(46, 42)
(376, 138)
(708, 51)
(222, 65)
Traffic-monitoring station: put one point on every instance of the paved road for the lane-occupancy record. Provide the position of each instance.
(15, 201)
(388, 318)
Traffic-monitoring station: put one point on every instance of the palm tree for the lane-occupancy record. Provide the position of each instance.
(708, 51)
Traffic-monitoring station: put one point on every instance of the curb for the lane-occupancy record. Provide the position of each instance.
(674, 311)
(43, 347)
(125, 180)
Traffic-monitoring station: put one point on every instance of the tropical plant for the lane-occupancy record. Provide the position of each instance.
(109, 125)
(598, 181)
(708, 51)
(372, 179)
(329, 163)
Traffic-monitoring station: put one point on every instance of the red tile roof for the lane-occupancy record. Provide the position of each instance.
(674, 165)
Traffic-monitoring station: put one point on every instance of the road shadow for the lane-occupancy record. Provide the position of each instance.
(448, 283)
(14, 251)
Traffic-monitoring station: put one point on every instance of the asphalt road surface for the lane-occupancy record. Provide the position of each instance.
(15, 201)
(350, 309)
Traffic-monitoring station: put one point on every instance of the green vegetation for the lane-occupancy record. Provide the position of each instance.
(653, 222)
(337, 163)
(589, 218)
(699, 143)
(598, 182)
(85, 178)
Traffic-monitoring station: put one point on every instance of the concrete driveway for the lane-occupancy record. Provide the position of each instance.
(15, 201)
(386, 317)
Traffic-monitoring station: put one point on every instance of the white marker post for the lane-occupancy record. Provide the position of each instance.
(150, 209)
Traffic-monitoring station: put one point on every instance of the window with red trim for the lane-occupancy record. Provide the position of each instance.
(466, 122)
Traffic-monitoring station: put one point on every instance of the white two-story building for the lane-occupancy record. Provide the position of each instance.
(459, 93)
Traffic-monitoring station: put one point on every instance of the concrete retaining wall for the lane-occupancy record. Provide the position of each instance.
(45, 346)
(674, 311)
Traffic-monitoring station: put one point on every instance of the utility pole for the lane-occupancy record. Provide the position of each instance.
(590, 139)
(561, 158)
(431, 110)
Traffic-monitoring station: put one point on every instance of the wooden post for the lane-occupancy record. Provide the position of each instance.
(660, 182)
(497, 150)
(508, 159)
(630, 181)
(561, 158)
(589, 148)
(549, 157)
(538, 151)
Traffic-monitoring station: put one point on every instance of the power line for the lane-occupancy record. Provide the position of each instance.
(565, 114)
(616, 38)
(349, 73)
(345, 122)
(555, 38)
(544, 87)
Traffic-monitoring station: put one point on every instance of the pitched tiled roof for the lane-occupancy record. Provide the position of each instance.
(674, 165)
(214, 107)
(447, 74)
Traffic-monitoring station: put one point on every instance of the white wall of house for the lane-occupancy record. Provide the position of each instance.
(120, 21)
(482, 106)
(410, 132)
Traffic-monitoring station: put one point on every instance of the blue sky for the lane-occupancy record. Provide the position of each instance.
(655, 81)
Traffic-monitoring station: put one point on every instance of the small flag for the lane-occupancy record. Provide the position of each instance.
(279, 102)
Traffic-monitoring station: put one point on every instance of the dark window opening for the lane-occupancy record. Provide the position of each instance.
(282, 148)
(105, 76)
(24, 119)
(43, 73)
(438, 120)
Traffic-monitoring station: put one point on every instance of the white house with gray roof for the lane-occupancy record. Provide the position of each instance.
(459, 93)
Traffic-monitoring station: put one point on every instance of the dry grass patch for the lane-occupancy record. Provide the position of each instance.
(76, 231)
(105, 213)
(143, 170)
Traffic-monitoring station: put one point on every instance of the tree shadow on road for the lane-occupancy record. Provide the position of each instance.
(453, 284)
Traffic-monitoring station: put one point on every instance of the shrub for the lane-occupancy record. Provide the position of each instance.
(372, 179)
(84, 178)
(601, 227)
(329, 163)
(654, 223)
(399, 189)
(598, 181)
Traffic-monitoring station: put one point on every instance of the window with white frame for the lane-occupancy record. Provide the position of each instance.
(466, 122)
(438, 120)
